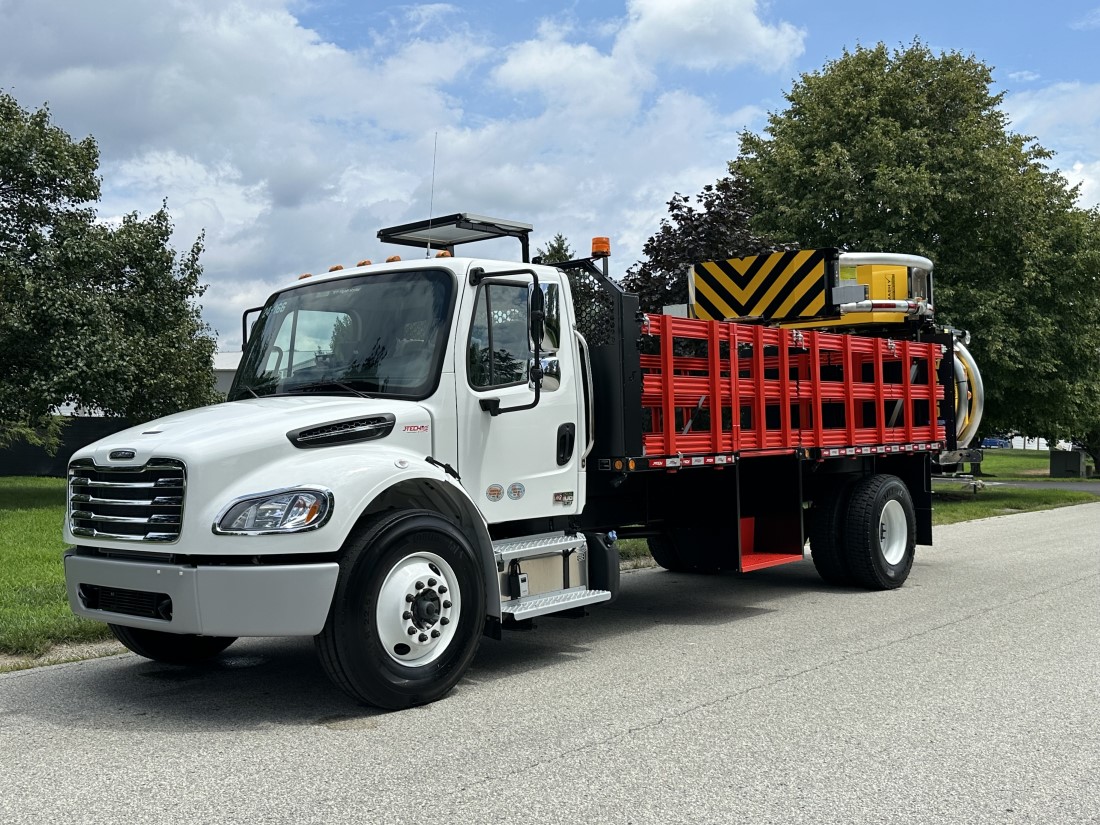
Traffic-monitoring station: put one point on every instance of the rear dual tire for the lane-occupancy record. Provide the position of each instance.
(864, 533)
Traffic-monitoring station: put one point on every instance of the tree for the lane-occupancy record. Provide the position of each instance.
(558, 251)
(102, 317)
(717, 230)
(909, 151)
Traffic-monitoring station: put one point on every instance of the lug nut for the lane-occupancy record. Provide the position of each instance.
(423, 637)
(412, 631)
(432, 582)
(446, 604)
(409, 597)
(407, 615)
(444, 620)
(435, 634)
(420, 585)
(442, 588)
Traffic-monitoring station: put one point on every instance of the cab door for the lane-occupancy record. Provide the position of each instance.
(520, 463)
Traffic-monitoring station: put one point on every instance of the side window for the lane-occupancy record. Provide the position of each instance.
(498, 348)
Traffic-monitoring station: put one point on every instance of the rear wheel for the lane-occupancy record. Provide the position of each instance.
(171, 648)
(826, 531)
(408, 611)
(880, 532)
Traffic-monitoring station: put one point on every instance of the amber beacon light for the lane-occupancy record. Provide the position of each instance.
(601, 247)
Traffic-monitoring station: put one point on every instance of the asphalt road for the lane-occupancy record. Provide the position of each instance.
(970, 695)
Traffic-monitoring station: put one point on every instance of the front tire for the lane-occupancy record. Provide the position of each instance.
(880, 532)
(171, 648)
(408, 612)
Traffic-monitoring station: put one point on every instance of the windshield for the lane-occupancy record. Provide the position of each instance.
(377, 335)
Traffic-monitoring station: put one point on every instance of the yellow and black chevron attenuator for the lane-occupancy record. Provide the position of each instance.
(777, 286)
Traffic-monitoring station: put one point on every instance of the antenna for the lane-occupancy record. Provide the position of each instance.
(431, 202)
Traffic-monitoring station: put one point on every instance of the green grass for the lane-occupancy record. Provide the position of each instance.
(1023, 465)
(949, 507)
(34, 611)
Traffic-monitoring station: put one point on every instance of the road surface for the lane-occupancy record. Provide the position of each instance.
(970, 695)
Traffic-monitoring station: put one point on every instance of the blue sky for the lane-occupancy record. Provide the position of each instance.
(291, 131)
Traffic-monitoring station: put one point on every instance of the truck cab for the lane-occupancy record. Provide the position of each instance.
(439, 405)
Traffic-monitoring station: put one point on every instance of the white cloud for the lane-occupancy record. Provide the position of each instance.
(575, 79)
(1087, 176)
(290, 152)
(429, 14)
(1064, 117)
(578, 79)
(1024, 76)
(1091, 20)
(707, 34)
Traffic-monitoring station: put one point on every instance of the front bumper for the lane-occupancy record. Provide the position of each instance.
(247, 600)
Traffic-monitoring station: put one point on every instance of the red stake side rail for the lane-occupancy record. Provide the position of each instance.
(748, 388)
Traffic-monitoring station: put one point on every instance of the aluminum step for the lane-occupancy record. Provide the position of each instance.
(530, 606)
(547, 544)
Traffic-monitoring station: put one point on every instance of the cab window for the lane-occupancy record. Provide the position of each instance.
(498, 348)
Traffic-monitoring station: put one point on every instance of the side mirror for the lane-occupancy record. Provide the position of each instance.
(537, 315)
(551, 374)
(245, 328)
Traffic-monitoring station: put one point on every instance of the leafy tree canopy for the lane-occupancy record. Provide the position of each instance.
(716, 229)
(557, 251)
(103, 317)
(909, 151)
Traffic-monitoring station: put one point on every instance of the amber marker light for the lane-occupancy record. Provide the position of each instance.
(393, 259)
(444, 254)
(601, 247)
(364, 262)
(335, 267)
(305, 275)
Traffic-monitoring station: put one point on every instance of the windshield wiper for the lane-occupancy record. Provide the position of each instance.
(328, 382)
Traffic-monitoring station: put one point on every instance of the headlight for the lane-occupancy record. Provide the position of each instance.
(277, 511)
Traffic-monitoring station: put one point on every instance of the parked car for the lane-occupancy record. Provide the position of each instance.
(995, 442)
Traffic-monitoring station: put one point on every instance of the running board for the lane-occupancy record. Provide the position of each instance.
(531, 606)
(547, 544)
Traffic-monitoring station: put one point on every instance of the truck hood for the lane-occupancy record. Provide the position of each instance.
(248, 426)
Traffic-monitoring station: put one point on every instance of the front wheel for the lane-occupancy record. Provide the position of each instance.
(408, 611)
(880, 532)
(171, 648)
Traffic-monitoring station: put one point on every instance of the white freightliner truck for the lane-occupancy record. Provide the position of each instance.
(419, 453)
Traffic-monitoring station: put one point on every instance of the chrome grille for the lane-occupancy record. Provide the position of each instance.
(127, 503)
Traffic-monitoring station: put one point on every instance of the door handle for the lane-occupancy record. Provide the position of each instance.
(567, 438)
